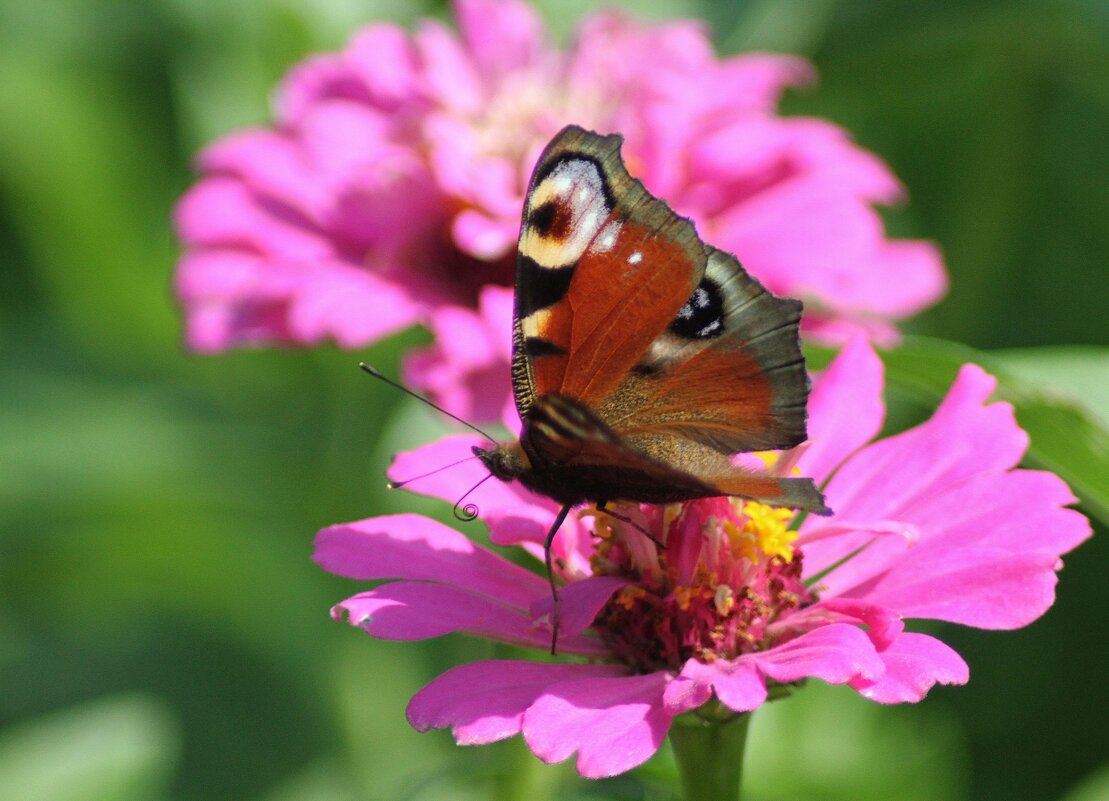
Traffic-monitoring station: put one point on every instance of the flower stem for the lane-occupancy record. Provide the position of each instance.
(709, 753)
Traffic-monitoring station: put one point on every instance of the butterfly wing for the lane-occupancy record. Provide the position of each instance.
(574, 457)
(728, 372)
(602, 269)
(679, 353)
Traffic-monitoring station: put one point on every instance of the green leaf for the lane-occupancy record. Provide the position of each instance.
(1093, 788)
(1066, 436)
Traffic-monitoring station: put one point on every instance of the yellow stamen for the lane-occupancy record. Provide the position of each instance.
(767, 526)
(744, 546)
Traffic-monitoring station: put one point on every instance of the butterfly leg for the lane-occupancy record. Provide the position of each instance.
(602, 507)
(559, 520)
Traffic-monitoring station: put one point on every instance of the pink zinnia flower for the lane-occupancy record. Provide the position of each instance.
(390, 186)
(933, 523)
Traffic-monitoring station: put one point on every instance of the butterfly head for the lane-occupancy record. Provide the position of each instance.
(506, 462)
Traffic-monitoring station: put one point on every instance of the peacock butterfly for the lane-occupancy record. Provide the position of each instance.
(643, 358)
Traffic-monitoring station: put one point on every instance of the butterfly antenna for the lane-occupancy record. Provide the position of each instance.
(469, 511)
(399, 484)
(377, 374)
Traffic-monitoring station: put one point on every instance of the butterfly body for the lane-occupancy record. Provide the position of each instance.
(643, 359)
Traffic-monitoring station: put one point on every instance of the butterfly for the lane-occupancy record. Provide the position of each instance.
(643, 358)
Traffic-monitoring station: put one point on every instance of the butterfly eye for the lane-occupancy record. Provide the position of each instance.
(500, 462)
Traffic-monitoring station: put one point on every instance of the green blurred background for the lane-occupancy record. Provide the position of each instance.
(163, 634)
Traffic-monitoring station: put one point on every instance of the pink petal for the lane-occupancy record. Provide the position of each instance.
(758, 79)
(1019, 511)
(467, 370)
(738, 684)
(976, 585)
(892, 478)
(496, 304)
(228, 275)
(502, 36)
(342, 138)
(506, 508)
(464, 169)
(804, 235)
(209, 329)
(579, 602)
(838, 328)
(452, 481)
(272, 164)
(416, 610)
(222, 211)
(449, 75)
(921, 280)
(463, 337)
(992, 544)
(883, 625)
(835, 653)
(384, 60)
(482, 236)
(914, 663)
(415, 547)
(353, 306)
(824, 151)
(614, 724)
(513, 514)
(965, 437)
(473, 393)
(845, 409)
(484, 702)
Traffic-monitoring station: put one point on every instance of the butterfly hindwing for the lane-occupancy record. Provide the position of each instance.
(573, 457)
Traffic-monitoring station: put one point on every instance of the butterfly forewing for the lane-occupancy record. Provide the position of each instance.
(603, 267)
(728, 372)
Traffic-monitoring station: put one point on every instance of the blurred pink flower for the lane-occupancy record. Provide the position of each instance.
(933, 523)
(391, 184)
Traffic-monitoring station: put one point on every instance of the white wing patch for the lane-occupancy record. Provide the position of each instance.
(578, 188)
(606, 240)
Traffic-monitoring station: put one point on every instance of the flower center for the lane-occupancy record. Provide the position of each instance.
(729, 570)
(527, 107)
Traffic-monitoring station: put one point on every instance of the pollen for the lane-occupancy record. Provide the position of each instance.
(768, 458)
(629, 596)
(684, 595)
(724, 600)
(767, 525)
